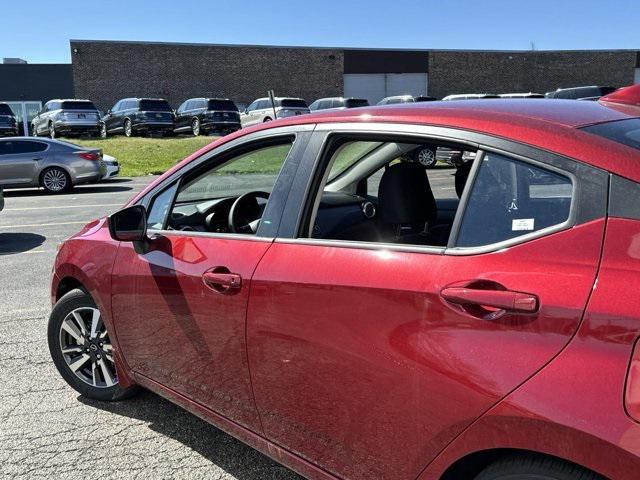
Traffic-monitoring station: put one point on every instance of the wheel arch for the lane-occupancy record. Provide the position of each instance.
(473, 463)
(65, 285)
(508, 433)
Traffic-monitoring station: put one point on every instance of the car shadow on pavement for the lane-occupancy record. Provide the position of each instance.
(75, 191)
(221, 449)
(19, 242)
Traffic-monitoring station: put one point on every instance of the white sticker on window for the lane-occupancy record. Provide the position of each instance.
(522, 224)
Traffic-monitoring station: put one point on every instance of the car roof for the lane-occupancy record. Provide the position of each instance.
(550, 125)
(69, 100)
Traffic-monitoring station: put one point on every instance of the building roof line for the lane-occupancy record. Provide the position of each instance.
(311, 47)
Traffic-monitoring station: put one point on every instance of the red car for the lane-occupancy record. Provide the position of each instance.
(311, 289)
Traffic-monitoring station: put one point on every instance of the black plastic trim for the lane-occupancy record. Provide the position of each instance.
(624, 198)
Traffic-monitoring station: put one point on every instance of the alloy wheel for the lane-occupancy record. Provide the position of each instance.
(426, 157)
(103, 130)
(86, 348)
(195, 127)
(52, 131)
(55, 180)
(127, 128)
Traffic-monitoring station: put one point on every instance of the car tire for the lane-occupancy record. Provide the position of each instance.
(426, 157)
(534, 467)
(52, 131)
(103, 130)
(55, 180)
(34, 131)
(72, 336)
(267, 119)
(195, 127)
(128, 128)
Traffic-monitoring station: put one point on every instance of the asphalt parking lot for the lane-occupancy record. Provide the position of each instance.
(46, 429)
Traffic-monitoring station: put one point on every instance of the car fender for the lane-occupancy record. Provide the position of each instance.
(568, 409)
(507, 429)
(91, 268)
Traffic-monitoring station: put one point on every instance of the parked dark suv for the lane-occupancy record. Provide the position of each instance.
(593, 92)
(138, 116)
(8, 122)
(66, 117)
(207, 115)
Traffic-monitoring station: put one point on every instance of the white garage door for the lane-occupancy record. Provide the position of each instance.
(375, 86)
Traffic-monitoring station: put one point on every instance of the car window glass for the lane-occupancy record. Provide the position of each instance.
(160, 207)
(256, 170)
(29, 147)
(386, 192)
(6, 147)
(349, 154)
(252, 106)
(626, 132)
(204, 199)
(510, 198)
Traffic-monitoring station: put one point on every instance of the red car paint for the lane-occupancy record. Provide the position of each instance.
(349, 363)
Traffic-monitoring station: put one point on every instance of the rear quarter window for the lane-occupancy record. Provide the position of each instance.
(510, 198)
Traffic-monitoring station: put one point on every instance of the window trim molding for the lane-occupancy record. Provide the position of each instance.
(482, 142)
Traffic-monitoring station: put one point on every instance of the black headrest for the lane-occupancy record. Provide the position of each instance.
(405, 196)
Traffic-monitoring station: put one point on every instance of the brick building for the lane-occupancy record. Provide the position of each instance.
(108, 70)
(105, 71)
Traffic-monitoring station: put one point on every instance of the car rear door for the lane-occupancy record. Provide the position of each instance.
(19, 161)
(180, 301)
(367, 359)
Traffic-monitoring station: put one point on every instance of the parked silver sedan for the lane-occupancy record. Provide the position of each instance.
(54, 165)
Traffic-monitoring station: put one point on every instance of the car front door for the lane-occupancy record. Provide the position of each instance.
(180, 116)
(368, 359)
(19, 161)
(111, 118)
(180, 302)
(248, 118)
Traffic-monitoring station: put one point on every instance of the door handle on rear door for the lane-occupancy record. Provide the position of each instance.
(221, 280)
(490, 302)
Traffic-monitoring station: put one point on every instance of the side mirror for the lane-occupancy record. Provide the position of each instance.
(129, 225)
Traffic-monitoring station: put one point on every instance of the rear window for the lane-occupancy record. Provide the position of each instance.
(356, 102)
(626, 132)
(78, 106)
(292, 103)
(222, 105)
(5, 110)
(155, 105)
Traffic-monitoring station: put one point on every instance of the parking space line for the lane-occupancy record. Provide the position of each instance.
(83, 222)
(61, 206)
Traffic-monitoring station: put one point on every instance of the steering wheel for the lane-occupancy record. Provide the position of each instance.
(245, 213)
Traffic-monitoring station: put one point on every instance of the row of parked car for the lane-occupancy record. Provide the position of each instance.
(196, 116)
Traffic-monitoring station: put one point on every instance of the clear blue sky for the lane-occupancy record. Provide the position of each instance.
(39, 30)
